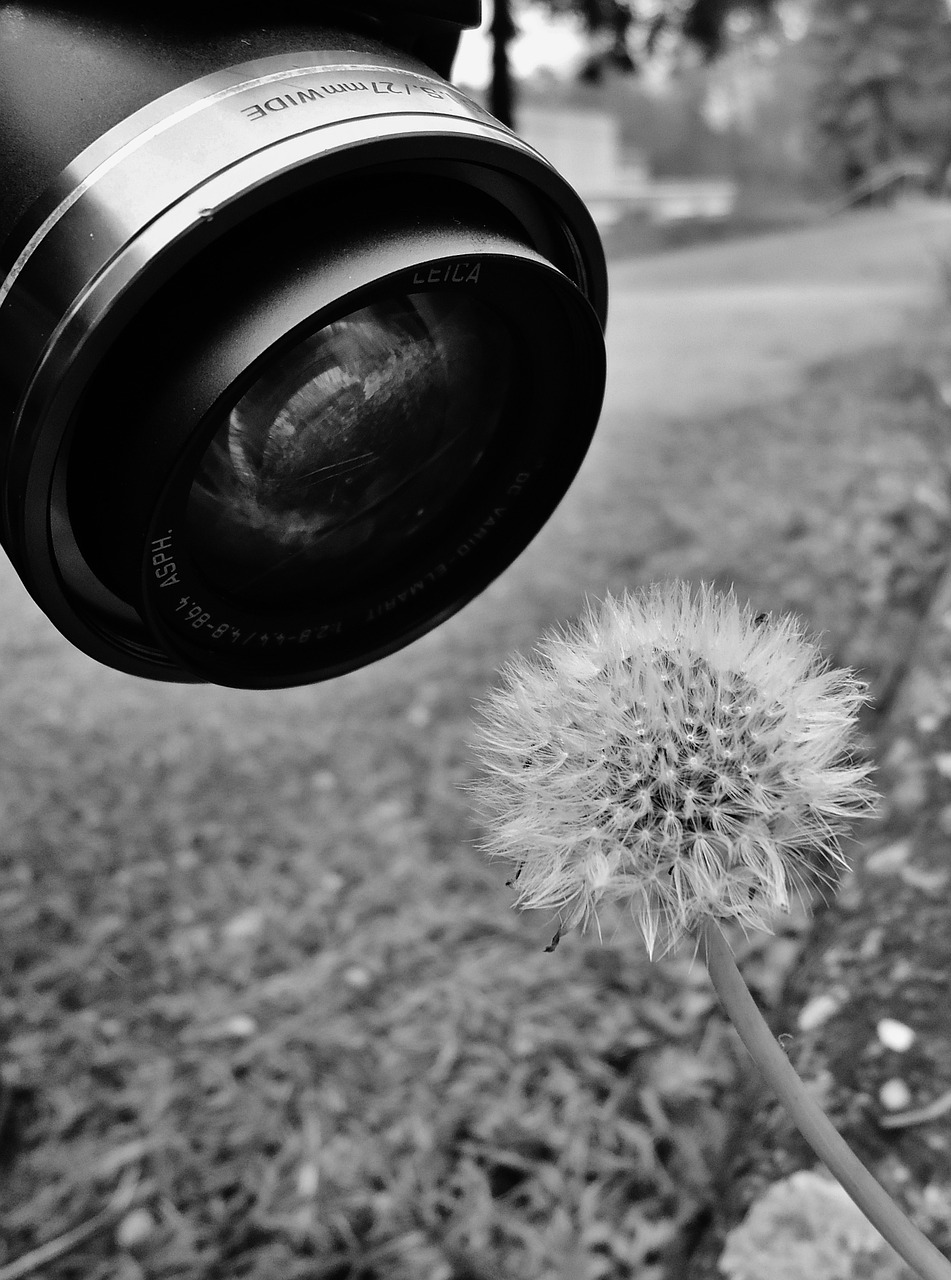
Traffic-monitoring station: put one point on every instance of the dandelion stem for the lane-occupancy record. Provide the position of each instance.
(812, 1122)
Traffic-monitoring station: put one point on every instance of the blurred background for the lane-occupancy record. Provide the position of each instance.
(265, 1009)
(708, 116)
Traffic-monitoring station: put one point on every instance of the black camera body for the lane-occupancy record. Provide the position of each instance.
(299, 347)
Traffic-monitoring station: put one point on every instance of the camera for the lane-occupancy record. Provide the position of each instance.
(299, 347)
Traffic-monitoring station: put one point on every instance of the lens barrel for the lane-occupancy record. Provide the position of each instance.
(296, 359)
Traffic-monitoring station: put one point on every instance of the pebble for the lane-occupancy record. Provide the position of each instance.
(895, 1035)
(331, 882)
(894, 1095)
(872, 944)
(135, 1228)
(245, 925)
(927, 881)
(308, 1180)
(241, 1026)
(817, 1011)
(889, 858)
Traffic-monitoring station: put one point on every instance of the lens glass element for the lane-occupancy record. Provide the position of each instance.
(348, 448)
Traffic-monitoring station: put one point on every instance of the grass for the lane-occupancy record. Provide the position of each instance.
(271, 976)
(267, 1012)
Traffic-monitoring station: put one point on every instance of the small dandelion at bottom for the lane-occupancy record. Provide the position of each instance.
(674, 752)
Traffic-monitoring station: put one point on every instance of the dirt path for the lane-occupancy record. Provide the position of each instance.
(711, 327)
(711, 330)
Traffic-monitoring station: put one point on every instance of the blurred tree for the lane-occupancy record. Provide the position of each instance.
(621, 32)
(501, 87)
(882, 97)
(617, 26)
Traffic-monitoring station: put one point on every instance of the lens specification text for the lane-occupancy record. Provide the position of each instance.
(164, 568)
(191, 613)
(199, 619)
(317, 93)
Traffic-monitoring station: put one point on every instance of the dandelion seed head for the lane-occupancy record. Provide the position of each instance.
(676, 753)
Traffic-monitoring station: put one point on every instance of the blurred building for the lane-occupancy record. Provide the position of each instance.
(585, 146)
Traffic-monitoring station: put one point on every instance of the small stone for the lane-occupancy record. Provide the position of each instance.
(245, 925)
(889, 858)
(308, 1180)
(850, 896)
(894, 1095)
(331, 882)
(895, 1035)
(241, 1026)
(932, 882)
(902, 971)
(134, 1229)
(872, 944)
(909, 793)
(817, 1011)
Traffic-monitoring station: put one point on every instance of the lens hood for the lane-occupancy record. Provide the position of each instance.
(345, 230)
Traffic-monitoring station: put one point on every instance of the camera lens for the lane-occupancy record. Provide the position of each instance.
(294, 361)
(347, 447)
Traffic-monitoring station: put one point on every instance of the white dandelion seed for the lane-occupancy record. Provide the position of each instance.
(674, 752)
(680, 754)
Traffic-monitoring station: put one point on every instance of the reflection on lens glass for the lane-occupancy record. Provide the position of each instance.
(347, 447)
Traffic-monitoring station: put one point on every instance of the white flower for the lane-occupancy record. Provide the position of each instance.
(674, 752)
